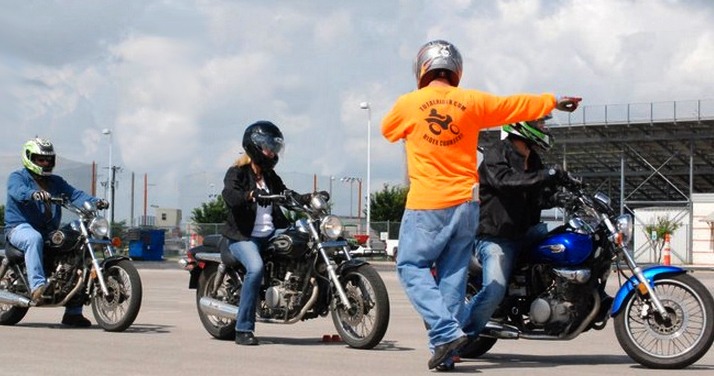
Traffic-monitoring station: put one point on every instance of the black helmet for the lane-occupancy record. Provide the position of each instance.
(263, 141)
(435, 58)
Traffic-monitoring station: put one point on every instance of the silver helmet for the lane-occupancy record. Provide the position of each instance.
(435, 58)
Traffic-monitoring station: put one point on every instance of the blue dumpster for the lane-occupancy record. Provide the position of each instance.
(149, 245)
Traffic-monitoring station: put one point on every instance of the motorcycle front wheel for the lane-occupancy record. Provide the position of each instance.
(363, 325)
(117, 311)
(675, 342)
(228, 291)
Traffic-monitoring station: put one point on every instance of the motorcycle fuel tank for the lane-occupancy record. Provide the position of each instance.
(562, 249)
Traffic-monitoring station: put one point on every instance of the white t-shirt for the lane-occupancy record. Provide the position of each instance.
(264, 217)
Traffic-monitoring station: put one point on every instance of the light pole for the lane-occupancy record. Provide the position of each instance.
(366, 106)
(351, 180)
(110, 180)
(331, 198)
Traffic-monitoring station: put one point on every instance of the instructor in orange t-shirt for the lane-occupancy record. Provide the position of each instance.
(440, 123)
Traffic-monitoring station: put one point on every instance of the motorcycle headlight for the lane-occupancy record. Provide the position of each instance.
(625, 227)
(99, 227)
(331, 227)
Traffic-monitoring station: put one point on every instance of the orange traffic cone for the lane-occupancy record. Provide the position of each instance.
(666, 251)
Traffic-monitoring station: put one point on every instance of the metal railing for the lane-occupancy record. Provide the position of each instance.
(637, 113)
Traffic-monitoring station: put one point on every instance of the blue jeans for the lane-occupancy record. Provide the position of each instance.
(248, 253)
(30, 242)
(444, 239)
(497, 256)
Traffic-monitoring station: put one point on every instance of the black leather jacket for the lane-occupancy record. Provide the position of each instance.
(238, 182)
(512, 196)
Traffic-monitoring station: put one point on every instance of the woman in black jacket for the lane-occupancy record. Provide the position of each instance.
(252, 220)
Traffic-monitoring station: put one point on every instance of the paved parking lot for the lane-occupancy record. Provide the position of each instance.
(168, 339)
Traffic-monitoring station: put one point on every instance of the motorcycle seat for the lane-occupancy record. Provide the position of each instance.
(226, 256)
(13, 254)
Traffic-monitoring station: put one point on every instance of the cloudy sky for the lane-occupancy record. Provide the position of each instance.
(177, 81)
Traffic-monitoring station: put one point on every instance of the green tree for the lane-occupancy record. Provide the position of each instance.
(214, 211)
(2, 215)
(657, 231)
(388, 204)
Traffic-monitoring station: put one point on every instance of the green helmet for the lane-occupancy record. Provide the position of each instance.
(38, 148)
(534, 132)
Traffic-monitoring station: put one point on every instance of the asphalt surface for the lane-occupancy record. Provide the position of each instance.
(168, 339)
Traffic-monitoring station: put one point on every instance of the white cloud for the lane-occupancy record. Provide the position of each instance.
(177, 82)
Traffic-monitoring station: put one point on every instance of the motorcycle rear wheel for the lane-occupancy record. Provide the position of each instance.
(218, 327)
(9, 314)
(668, 344)
(118, 310)
(363, 326)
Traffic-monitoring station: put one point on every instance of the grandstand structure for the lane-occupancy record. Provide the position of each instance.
(642, 155)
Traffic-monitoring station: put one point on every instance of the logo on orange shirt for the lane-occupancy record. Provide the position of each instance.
(439, 123)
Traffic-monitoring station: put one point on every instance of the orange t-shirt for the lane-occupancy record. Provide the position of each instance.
(440, 125)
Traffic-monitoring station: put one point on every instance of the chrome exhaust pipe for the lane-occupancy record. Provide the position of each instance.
(215, 307)
(7, 297)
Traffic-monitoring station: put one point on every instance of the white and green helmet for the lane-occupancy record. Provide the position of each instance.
(531, 132)
(38, 147)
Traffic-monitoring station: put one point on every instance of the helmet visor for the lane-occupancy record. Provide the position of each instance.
(268, 144)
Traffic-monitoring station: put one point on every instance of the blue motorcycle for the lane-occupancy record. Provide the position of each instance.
(663, 316)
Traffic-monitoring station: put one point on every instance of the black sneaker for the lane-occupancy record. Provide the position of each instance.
(445, 367)
(76, 321)
(246, 339)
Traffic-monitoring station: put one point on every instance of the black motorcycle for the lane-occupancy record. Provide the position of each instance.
(663, 316)
(309, 273)
(82, 268)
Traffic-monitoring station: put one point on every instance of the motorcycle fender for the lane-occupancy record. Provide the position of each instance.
(350, 264)
(193, 277)
(651, 273)
(109, 261)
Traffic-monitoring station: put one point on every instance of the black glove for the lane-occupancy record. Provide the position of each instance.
(256, 193)
(568, 104)
(41, 196)
(102, 204)
(324, 194)
(572, 181)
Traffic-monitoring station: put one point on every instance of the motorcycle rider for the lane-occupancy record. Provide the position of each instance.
(515, 187)
(251, 220)
(440, 123)
(30, 216)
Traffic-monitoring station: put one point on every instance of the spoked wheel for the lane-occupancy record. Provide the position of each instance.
(9, 314)
(228, 292)
(680, 339)
(363, 325)
(117, 310)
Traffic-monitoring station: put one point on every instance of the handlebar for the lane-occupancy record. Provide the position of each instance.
(293, 199)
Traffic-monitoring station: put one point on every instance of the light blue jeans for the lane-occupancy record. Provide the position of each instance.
(30, 242)
(497, 256)
(444, 239)
(248, 253)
